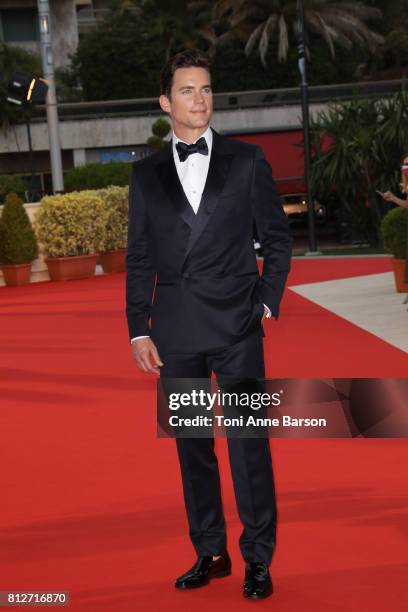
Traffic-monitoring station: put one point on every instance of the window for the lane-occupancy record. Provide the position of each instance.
(20, 25)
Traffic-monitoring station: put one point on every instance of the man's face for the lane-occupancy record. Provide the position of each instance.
(190, 104)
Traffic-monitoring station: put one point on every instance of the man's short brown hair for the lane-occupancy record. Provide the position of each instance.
(185, 59)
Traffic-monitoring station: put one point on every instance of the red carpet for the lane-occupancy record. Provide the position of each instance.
(91, 499)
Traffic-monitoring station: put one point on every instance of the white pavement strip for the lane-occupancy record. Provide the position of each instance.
(370, 302)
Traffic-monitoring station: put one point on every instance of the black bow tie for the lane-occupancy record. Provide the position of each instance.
(184, 150)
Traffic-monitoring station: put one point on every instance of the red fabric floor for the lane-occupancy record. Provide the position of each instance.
(91, 500)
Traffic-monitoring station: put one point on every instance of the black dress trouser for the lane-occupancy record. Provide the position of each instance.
(250, 461)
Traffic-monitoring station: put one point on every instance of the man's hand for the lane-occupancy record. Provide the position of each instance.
(265, 313)
(145, 353)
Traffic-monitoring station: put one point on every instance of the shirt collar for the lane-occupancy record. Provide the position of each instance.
(207, 135)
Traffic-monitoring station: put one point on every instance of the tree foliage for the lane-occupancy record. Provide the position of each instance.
(258, 22)
(123, 56)
(118, 60)
(358, 147)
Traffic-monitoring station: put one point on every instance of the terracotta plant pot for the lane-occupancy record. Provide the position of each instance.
(16, 275)
(113, 261)
(399, 274)
(71, 268)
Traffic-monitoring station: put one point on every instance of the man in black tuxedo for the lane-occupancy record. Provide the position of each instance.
(191, 211)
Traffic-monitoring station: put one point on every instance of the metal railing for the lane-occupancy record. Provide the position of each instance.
(320, 94)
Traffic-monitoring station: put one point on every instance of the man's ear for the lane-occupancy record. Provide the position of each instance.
(165, 104)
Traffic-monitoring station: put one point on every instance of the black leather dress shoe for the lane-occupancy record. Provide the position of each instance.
(203, 570)
(258, 583)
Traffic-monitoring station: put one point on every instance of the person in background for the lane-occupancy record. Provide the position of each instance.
(389, 196)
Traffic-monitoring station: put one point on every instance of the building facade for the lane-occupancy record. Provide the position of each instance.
(69, 19)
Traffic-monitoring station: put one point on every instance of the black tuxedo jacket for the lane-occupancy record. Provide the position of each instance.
(200, 271)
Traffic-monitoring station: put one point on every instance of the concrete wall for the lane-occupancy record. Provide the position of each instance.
(128, 131)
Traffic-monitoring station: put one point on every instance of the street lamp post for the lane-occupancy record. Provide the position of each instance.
(51, 101)
(306, 133)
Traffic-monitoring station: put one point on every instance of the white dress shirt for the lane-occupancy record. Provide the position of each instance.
(193, 171)
(193, 175)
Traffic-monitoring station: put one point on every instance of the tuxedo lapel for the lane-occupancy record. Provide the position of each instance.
(220, 162)
(218, 171)
(170, 181)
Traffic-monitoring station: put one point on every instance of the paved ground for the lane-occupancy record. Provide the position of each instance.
(370, 302)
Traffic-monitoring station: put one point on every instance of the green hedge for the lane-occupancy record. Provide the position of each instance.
(10, 184)
(98, 176)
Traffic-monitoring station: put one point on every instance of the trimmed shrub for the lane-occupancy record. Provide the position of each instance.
(18, 244)
(394, 229)
(160, 128)
(98, 176)
(72, 224)
(116, 202)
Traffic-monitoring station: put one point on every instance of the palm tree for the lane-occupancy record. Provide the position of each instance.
(396, 40)
(358, 147)
(212, 22)
(338, 23)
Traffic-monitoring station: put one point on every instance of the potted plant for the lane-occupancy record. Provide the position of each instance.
(18, 244)
(394, 229)
(71, 229)
(113, 258)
